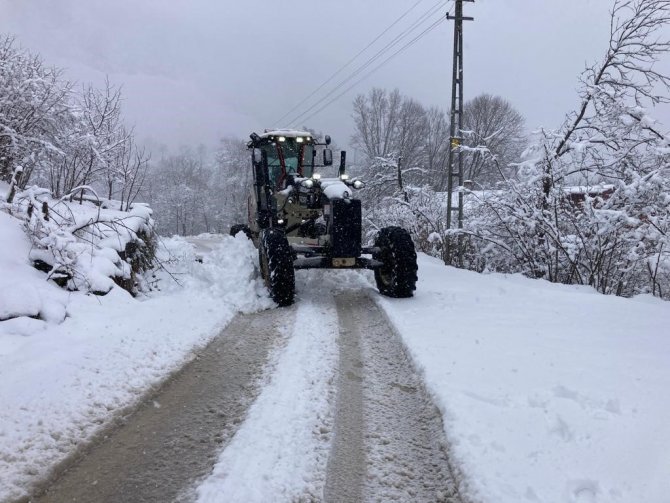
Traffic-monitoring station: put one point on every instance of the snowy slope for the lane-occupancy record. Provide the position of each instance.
(549, 393)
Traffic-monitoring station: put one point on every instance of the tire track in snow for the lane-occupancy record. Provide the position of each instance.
(389, 443)
(346, 465)
(173, 437)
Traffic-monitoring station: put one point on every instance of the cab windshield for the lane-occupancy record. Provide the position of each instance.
(297, 160)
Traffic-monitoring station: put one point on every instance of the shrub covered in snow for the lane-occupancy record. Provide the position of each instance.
(615, 240)
(85, 243)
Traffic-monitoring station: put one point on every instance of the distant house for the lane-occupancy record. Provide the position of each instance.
(577, 194)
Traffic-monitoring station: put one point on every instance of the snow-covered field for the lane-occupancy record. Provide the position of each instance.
(549, 393)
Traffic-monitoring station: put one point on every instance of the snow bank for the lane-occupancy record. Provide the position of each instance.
(549, 392)
(59, 384)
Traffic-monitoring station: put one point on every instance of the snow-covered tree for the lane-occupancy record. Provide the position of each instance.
(390, 131)
(126, 171)
(60, 137)
(195, 192)
(435, 147)
(491, 122)
(33, 106)
(93, 141)
(590, 202)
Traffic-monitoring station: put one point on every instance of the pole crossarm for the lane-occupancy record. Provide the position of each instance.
(462, 18)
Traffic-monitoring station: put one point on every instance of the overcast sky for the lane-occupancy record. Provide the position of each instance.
(195, 70)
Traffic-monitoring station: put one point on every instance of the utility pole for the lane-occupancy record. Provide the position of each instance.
(455, 162)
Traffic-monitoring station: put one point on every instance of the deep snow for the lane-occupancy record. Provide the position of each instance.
(549, 393)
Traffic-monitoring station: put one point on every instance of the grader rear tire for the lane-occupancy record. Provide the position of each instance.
(398, 276)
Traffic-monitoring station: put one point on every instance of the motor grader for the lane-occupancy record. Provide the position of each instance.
(300, 219)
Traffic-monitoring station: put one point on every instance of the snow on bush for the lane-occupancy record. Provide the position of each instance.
(83, 244)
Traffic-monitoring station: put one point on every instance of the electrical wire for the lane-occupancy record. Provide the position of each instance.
(323, 84)
(399, 38)
(406, 46)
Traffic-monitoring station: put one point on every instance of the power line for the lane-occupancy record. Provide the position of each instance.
(406, 46)
(395, 41)
(350, 61)
(417, 23)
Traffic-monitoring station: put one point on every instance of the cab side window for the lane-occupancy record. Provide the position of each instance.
(274, 164)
